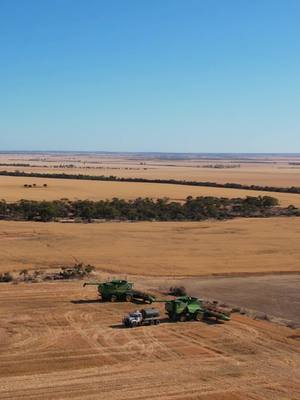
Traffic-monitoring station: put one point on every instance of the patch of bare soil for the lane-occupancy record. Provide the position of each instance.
(274, 298)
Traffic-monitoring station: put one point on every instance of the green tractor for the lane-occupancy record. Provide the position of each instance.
(190, 308)
(120, 290)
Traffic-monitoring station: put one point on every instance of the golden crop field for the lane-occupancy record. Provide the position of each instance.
(156, 248)
(12, 189)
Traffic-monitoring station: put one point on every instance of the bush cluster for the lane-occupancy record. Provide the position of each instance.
(144, 209)
(77, 271)
(177, 291)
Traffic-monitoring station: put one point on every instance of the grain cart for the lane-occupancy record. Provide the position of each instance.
(148, 316)
(120, 290)
(190, 308)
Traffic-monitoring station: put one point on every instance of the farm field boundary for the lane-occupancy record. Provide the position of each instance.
(112, 178)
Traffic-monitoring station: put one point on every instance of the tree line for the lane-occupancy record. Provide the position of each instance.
(112, 178)
(144, 209)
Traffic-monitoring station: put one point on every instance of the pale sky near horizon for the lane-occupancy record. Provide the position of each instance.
(151, 75)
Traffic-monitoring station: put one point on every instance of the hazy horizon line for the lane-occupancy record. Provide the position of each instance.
(143, 152)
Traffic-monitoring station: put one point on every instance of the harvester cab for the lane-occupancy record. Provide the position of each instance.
(184, 308)
(121, 290)
(117, 289)
(191, 308)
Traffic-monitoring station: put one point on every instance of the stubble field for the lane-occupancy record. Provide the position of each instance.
(58, 344)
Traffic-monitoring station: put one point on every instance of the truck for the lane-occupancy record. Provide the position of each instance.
(120, 290)
(186, 308)
(147, 316)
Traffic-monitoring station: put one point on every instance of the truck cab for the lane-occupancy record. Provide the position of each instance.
(133, 319)
(148, 316)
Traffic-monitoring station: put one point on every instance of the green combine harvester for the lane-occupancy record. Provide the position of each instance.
(187, 308)
(120, 290)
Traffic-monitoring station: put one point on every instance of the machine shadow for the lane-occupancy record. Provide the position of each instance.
(86, 301)
(168, 321)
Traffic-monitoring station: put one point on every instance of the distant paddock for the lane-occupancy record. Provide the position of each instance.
(12, 189)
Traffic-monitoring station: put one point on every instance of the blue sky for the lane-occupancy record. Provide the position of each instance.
(150, 75)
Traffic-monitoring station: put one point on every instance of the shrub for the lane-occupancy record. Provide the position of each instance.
(177, 291)
(6, 277)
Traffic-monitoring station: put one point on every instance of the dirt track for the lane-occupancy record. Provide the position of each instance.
(53, 348)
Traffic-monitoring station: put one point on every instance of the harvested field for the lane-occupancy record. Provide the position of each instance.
(160, 248)
(54, 347)
(12, 189)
